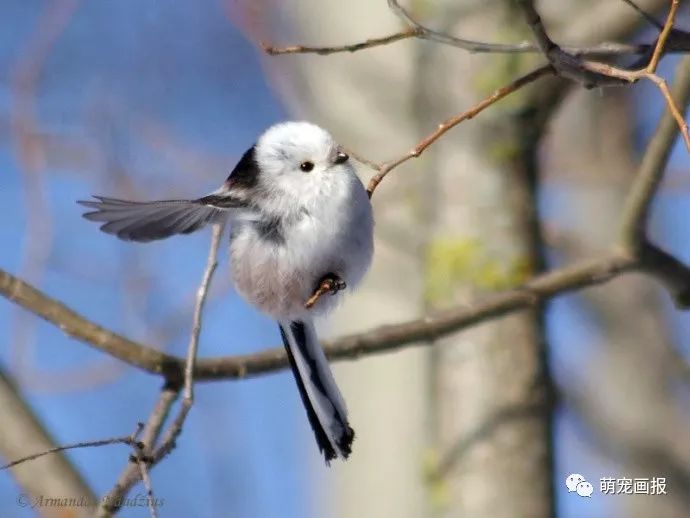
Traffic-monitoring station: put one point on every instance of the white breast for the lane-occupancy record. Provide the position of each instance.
(331, 233)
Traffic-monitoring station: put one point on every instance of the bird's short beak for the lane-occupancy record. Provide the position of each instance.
(341, 157)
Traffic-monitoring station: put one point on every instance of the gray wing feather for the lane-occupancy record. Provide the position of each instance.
(150, 220)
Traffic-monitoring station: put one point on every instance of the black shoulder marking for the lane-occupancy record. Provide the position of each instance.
(270, 230)
(245, 175)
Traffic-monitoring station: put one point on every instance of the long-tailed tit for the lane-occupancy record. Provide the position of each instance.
(299, 216)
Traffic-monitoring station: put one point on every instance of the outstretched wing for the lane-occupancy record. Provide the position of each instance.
(150, 220)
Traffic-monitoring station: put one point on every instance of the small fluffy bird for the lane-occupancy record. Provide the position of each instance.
(300, 219)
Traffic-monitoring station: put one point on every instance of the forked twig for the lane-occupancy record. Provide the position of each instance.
(168, 396)
(649, 72)
(414, 29)
(567, 63)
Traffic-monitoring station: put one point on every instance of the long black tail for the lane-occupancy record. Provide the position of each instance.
(320, 395)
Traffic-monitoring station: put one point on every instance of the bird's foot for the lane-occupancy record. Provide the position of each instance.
(329, 283)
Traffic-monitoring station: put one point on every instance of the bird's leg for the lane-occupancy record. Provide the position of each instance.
(329, 283)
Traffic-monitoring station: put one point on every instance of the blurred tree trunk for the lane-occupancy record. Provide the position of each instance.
(461, 219)
(640, 425)
(366, 100)
(491, 417)
(51, 476)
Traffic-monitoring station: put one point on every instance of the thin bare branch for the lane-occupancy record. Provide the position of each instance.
(679, 42)
(386, 167)
(413, 29)
(148, 454)
(353, 47)
(131, 474)
(377, 340)
(168, 441)
(653, 165)
(673, 107)
(592, 73)
(649, 73)
(561, 62)
(425, 33)
(566, 64)
(130, 440)
(142, 462)
(158, 416)
(382, 339)
(202, 293)
(663, 38)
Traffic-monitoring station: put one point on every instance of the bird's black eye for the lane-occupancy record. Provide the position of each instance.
(341, 157)
(306, 166)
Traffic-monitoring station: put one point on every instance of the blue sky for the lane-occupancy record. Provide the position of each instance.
(190, 72)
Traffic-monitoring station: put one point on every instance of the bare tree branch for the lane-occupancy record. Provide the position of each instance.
(650, 173)
(679, 42)
(639, 257)
(562, 63)
(111, 502)
(354, 47)
(130, 440)
(566, 64)
(592, 73)
(149, 455)
(22, 434)
(386, 167)
(381, 339)
(142, 463)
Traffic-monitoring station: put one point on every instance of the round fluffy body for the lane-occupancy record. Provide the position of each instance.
(313, 223)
